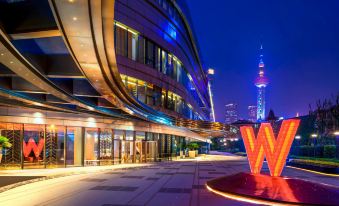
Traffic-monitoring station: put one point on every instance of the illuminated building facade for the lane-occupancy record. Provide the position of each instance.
(261, 83)
(98, 82)
(231, 113)
(252, 113)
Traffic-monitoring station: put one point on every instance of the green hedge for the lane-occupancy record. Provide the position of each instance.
(325, 151)
(329, 151)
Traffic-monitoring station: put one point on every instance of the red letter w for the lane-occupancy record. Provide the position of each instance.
(275, 150)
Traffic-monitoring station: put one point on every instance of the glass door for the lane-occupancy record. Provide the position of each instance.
(126, 151)
(55, 146)
(151, 151)
(139, 151)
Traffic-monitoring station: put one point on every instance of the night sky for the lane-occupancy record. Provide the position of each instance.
(301, 51)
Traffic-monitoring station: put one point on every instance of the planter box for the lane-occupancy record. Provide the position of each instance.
(191, 154)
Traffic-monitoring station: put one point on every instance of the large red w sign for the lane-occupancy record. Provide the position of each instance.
(31, 145)
(275, 149)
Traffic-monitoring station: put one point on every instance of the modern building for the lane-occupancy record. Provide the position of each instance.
(231, 113)
(252, 113)
(261, 83)
(98, 82)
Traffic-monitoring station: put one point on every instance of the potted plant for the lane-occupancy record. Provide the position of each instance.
(193, 147)
(4, 143)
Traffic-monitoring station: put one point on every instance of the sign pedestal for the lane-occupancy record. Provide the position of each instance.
(264, 189)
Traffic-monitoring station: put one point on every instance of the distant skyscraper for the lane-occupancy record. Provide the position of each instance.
(261, 82)
(252, 113)
(231, 113)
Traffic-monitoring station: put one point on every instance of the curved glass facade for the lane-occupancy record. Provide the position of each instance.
(110, 86)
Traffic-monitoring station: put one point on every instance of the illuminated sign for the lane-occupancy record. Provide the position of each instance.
(31, 145)
(266, 145)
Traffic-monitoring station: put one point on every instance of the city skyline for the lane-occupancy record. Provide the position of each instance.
(298, 37)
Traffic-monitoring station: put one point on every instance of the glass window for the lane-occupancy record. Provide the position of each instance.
(164, 61)
(118, 137)
(132, 86)
(55, 146)
(119, 134)
(129, 135)
(106, 145)
(150, 99)
(150, 60)
(158, 96)
(140, 136)
(170, 66)
(170, 101)
(121, 41)
(141, 91)
(91, 147)
(11, 157)
(158, 58)
(132, 45)
(141, 50)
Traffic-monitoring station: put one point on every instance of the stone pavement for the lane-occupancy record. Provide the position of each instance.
(166, 183)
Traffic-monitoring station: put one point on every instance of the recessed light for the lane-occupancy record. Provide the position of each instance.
(11, 62)
(75, 18)
(2, 54)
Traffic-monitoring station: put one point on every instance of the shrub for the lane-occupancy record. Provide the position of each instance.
(193, 146)
(4, 142)
(329, 151)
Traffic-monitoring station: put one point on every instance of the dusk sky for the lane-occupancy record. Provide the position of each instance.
(301, 51)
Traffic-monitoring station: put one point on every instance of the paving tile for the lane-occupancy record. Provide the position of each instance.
(217, 173)
(132, 177)
(207, 170)
(151, 168)
(205, 178)
(115, 173)
(175, 190)
(93, 180)
(115, 188)
(152, 178)
(198, 187)
(164, 173)
(185, 173)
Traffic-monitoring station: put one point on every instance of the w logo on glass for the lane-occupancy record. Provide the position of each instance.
(31, 145)
(275, 149)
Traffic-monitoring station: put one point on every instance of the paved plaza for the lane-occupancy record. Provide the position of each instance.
(166, 183)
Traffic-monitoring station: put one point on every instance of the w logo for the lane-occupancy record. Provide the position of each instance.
(275, 149)
(31, 145)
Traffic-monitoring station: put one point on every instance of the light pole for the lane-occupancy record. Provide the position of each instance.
(336, 134)
(298, 137)
(314, 136)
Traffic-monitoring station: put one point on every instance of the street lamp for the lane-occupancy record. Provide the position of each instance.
(298, 137)
(336, 134)
(314, 136)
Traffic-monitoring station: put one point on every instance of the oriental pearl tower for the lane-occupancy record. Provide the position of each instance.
(261, 82)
